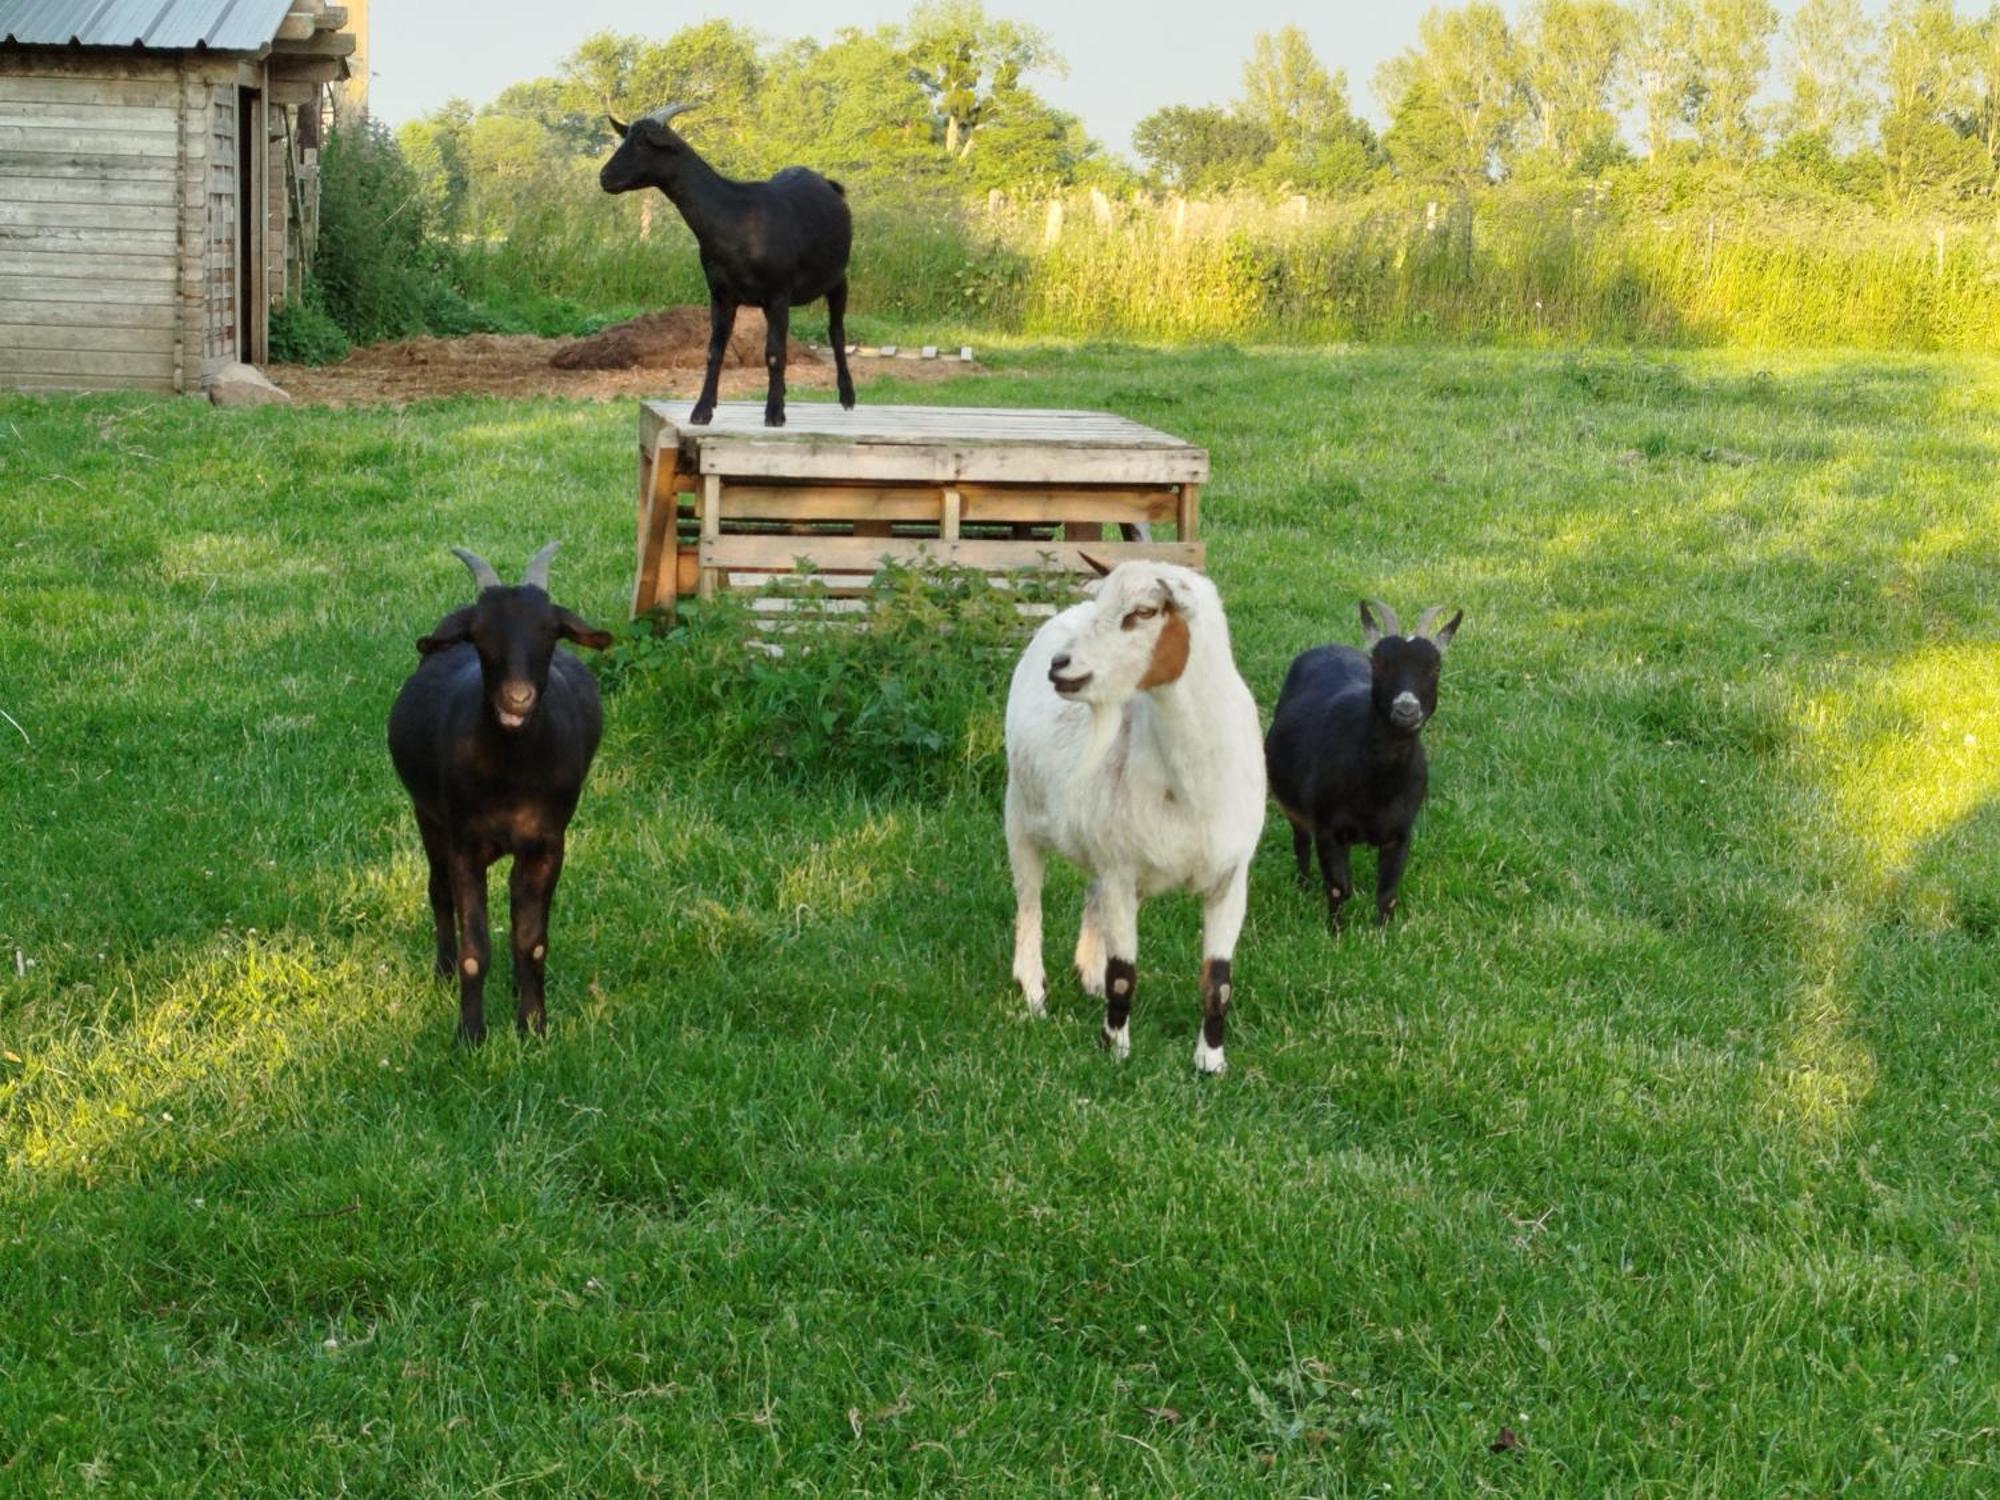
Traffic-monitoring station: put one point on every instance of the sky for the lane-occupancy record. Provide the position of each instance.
(1126, 57)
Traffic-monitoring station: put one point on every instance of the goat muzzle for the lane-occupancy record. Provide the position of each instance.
(513, 703)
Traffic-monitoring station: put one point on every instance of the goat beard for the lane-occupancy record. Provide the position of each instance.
(1105, 720)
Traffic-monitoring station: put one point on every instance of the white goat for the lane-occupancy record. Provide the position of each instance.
(1133, 750)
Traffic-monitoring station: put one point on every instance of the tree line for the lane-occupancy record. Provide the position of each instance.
(1903, 112)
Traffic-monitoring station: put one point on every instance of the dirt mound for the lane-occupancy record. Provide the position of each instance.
(676, 339)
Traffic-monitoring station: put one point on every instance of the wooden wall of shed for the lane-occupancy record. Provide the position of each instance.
(119, 207)
(90, 222)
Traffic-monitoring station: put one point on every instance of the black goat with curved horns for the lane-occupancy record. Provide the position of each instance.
(774, 245)
(493, 735)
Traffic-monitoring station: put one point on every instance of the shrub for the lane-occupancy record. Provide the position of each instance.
(303, 334)
(374, 265)
(910, 695)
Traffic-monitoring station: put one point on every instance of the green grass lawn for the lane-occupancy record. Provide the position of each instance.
(1660, 1131)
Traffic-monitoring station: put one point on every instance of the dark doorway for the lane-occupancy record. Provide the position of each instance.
(249, 217)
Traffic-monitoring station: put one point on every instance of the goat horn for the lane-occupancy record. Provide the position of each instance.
(666, 112)
(537, 574)
(1095, 566)
(482, 570)
(1385, 617)
(1426, 620)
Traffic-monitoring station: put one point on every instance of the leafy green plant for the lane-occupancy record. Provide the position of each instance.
(903, 694)
(302, 333)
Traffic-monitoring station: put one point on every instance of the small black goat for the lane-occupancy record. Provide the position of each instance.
(1343, 756)
(773, 245)
(492, 735)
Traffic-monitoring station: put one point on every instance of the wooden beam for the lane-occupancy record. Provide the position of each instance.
(296, 28)
(320, 44)
(308, 69)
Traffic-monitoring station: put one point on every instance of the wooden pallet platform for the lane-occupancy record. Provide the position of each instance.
(737, 504)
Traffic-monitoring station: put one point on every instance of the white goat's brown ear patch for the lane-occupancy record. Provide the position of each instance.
(1170, 651)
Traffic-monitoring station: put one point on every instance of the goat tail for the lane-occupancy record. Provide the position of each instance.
(836, 187)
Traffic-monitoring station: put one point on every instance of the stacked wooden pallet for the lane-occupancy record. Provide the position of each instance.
(831, 495)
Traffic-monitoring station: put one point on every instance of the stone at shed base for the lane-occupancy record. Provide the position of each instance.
(243, 385)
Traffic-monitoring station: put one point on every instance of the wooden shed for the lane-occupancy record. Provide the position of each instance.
(158, 182)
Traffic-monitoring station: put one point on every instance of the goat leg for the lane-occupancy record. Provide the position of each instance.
(721, 320)
(437, 850)
(836, 332)
(1389, 878)
(777, 327)
(475, 953)
(1028, 864)
(1221, 925)
(530, 888)
(1302, 844)
(1337, 877)
(1118, 904)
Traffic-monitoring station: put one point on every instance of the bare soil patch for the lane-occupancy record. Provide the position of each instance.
(658, 355)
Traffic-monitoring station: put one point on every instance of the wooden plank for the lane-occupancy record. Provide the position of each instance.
(157, 189)
(71, 261)
(97, 362)
(41, 114)
(711, 529)
(808, 422)
(954, 505)
(85, 215)
(321, 45)
(104, 239)
(115, 336)
(95, 289)
(828, 503)
(60, 142)
(1188, 517)
(942, 464)
(65, 384)
(87, 62)
(41, 312)
(851, 552)
(84, 166)
(154, 92)
(1046, 506)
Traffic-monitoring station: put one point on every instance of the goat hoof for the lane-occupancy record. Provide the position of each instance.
(701, 416)
(471, 1036)
(1209, 1061)
(847, 400)
(774, 419)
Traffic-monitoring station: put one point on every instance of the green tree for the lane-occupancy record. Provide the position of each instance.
(1470, 69)
(1732, 51)
(1829, 46)
(434, 147)
(1574, 54)
(966, 62)
(1661, 65)
(1930, 97)
(1316, 139)
(851, 108)
(1200, 148)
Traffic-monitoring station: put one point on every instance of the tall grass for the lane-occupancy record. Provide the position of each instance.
(1521, 264)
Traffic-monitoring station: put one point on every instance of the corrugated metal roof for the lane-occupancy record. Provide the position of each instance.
(163, 25)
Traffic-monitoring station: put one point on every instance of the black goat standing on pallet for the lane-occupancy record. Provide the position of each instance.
(772, 245)
(493, 735)
(1343, 757)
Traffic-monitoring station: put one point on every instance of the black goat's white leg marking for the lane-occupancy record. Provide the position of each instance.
(1221, 925)
(836, 332)
(531, 887)
(1333, 869)
(475, 954)
(1389, 879)
(1121, 983)
(777, 326)
(721, 320)
(437, 851)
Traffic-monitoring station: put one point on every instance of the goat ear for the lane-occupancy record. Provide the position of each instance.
(1439, 637)
(454, 629)
(619, 126)
(572, 627)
